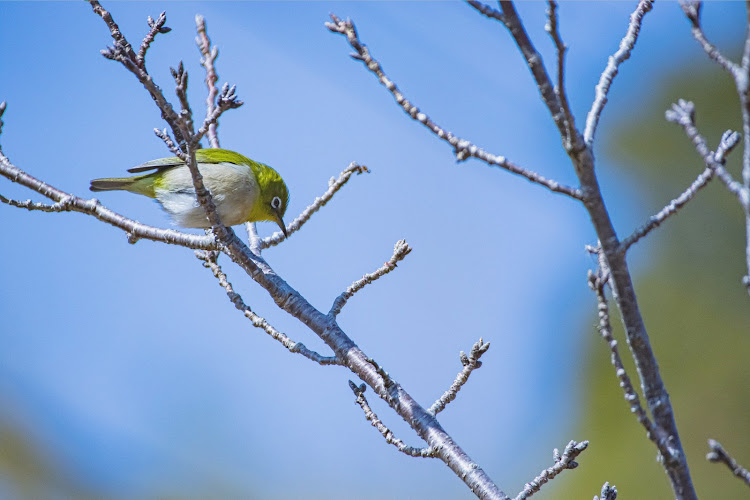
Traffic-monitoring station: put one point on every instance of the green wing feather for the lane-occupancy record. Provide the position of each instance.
(201, 155)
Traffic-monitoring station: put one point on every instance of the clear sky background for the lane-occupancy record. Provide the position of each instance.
(126, 366)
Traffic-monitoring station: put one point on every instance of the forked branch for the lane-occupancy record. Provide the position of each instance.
(471, 363)
(462, 148)
(719, 455)
(562, 462)
(400, 251)
(387, 434)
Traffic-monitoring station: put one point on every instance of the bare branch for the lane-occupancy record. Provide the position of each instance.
(692, 10)
(209, 55)
(135, 230)
(227, 100)
(463, 149)
(359, 391)
(123, 52)
(608, 493)
(562, 462)
(61, 206)
(719, 454)
(333, 186)
(154, 28)
(597, 283)
(3, 107)
(552, 29)
(655, 434)
(181, 86)
(471, 363)
(683, 114)
(728, 141)
(400, 251)
(164, 136)
(253, 238)
(509, 17)
(613, 64)
(209, 259)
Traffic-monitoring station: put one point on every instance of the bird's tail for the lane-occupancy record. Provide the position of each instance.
(142, 184)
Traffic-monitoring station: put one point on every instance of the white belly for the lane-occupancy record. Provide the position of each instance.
(233, 188)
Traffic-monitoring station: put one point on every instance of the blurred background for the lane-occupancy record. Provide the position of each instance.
(126, 373)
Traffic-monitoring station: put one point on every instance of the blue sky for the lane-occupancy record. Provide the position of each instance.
(136, 374)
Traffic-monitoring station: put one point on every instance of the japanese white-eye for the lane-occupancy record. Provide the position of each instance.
(243, 190)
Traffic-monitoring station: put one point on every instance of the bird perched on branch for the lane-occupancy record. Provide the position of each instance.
(243, 190)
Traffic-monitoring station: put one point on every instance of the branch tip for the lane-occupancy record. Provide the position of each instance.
(608, 493)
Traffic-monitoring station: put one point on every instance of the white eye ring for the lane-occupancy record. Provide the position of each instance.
(276, 203)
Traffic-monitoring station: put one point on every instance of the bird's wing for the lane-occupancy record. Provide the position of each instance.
(173, 161)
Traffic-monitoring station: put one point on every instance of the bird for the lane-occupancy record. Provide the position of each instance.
(243, 190)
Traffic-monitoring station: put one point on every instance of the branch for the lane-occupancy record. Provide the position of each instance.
(210, 261)
(552, 29)
(164, 136)
(562, 462)
(333, 186)
(66, 202)
(359, 391)
(208, 58)
(509, 17)
(227, 100)
(692, 10)
(728, 141)
(181, 84)
(719, 454)
(683, 114)
(608, 493)
(471, 363)
(123, 52)
(613, 64)
(154, 28)
(400, 251)
(463, 149)
(597, 283)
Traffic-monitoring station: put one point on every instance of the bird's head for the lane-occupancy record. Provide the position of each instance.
(274, 197)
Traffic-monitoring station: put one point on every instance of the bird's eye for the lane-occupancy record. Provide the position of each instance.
(276, 203)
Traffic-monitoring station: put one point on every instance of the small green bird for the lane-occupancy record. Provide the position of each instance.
(243, 190)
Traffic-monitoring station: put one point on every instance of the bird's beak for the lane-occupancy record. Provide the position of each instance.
(281, 224)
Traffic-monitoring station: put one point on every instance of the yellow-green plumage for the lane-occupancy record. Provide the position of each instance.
(243, 190)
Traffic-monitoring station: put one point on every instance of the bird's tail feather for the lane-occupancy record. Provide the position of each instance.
(142, 184)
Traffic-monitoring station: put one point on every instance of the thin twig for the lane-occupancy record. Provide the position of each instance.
(123, 53)
(613, 64)
(227, 100)
(400, 251)
(471, 363)
(683, 114)
(359, 391)
(554, 32)
(728, 141)
(693, 12)
(333, 186)
(181, 87)
(63, 205)
(155, 27)
(210, 261)
(209, 55)
(608, 493)
(463, 149)
(562, 462)
(719, 454)
(597, 283)
(164, 136)
(509, 17)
